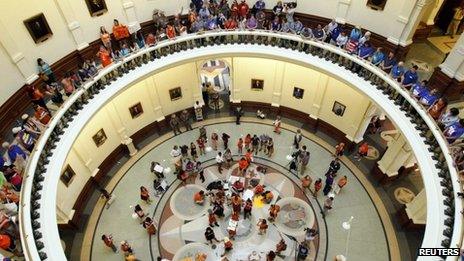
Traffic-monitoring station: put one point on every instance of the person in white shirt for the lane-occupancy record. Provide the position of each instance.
(219, 161)
(254, 256)
(175, 152)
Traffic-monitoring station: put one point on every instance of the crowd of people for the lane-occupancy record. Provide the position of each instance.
(202, 16)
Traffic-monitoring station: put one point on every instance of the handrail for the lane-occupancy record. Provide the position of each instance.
(27, 232)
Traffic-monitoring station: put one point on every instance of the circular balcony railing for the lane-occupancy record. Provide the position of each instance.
(38, 225)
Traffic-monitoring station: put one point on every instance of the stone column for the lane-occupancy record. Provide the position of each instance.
(83, 154)
(130, 145)
(25, 67)
(417, 208)
(433, 13)
(413, 21)
(342, 11)
(397, 26)
(370, 112)
(129, 10)
(398, 154)
(454, 61)
(62, 217)
(322, 83)
(196, 91)
(235, 90)
(73, 25)
(279, 74)
(150, 85)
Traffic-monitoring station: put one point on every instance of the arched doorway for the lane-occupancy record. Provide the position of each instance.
(216, 82)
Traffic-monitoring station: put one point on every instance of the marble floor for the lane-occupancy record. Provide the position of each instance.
(368, 238)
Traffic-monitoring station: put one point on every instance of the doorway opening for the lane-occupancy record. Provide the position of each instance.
(216, 82)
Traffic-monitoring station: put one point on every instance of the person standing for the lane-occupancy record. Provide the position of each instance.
(212, 219)
(255, 144)
(270, 147)
(149, 225)
(175, 124)
(281, 246)
(328, 204)
(306, 182)
(240, 145)
(210, 236)
(193, 151)
(455, 22)
(238, 115)
(247, 141)
(247, 208)
(185, 119)
(219, 161)
(328, 183)
(273, 212)
(362, 151)
(145, 195)
(277, 123)
(243, 165)
(201, 145)
(262, 226)
(297, 139)
(340, 184)
(339, 149)
(214, 140)
(317, 186)
(198, 111)
(108, 240)
(334, 166)
(225, 140)
(126, 248)
(203, 134)
(228, 158)
(304, 160)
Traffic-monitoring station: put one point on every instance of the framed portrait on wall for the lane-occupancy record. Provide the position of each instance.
(298, 93)
(378, 5)
(136, 110)
(67, 176)
(38, 28)
(338, 109)
(175, 93)
(257, 85)
(96, 7)
(99, 138)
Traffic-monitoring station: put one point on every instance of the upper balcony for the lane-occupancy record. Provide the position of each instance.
(38, 226)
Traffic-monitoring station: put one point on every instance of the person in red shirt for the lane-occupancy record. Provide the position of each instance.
(230, 24)
(150, 39)
(236, 203)
(201, 145)
(199, 197)
(42, 115)
(170, 32)
(249, 156)
(227, 245)
(362, 151)
(273, 211)
(212, 219)
(247, 141)
(240, 145)
(234, 9)
(243, 9)
(243, 165)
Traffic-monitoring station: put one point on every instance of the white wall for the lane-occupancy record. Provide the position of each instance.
(13, 13)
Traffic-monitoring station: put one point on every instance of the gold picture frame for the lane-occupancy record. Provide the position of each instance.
(67, 176)
(136, 110)
(38, 28)
(257, 84)
(96, 7)
(99, 138)
(175, 93)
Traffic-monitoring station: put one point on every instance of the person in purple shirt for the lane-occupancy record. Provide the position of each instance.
(14, 151)
(454, 131)
(251, 23)
(365, 51)
(275, 24)
(429, 97)
(410, 77)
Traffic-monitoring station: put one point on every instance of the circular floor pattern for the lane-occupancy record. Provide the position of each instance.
(296, 215)
(182, 204)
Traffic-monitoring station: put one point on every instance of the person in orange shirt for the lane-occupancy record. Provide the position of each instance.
(199, 197)
(42, 115)
(212, 219)
(230, 24)
(277, 123)
(273, 212)
(306, 182)
(234, 10)
(247, 141)
(249, 156)
(240, 145)
(243, 9)
(150, 40)
(243, 165)
(259, 189)
(339, 149)
(340, 184)
(362, 151)
(236, 203)
(105, 56)
(170, 32)
(119, 31)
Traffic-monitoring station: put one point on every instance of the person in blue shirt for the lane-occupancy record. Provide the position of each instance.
(410, 77)
(355, 34)
(419, 89)
(319, 33)
(454, 131)
(388, 63)
(378, 57)
(275, 24)
(259, 6)
(428, 98)
(334, 35)
(204, 12)
(296, 26)
(14, 151)
(365, 51)
(397, 70)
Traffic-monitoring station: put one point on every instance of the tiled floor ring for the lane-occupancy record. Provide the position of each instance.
(356, 200)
